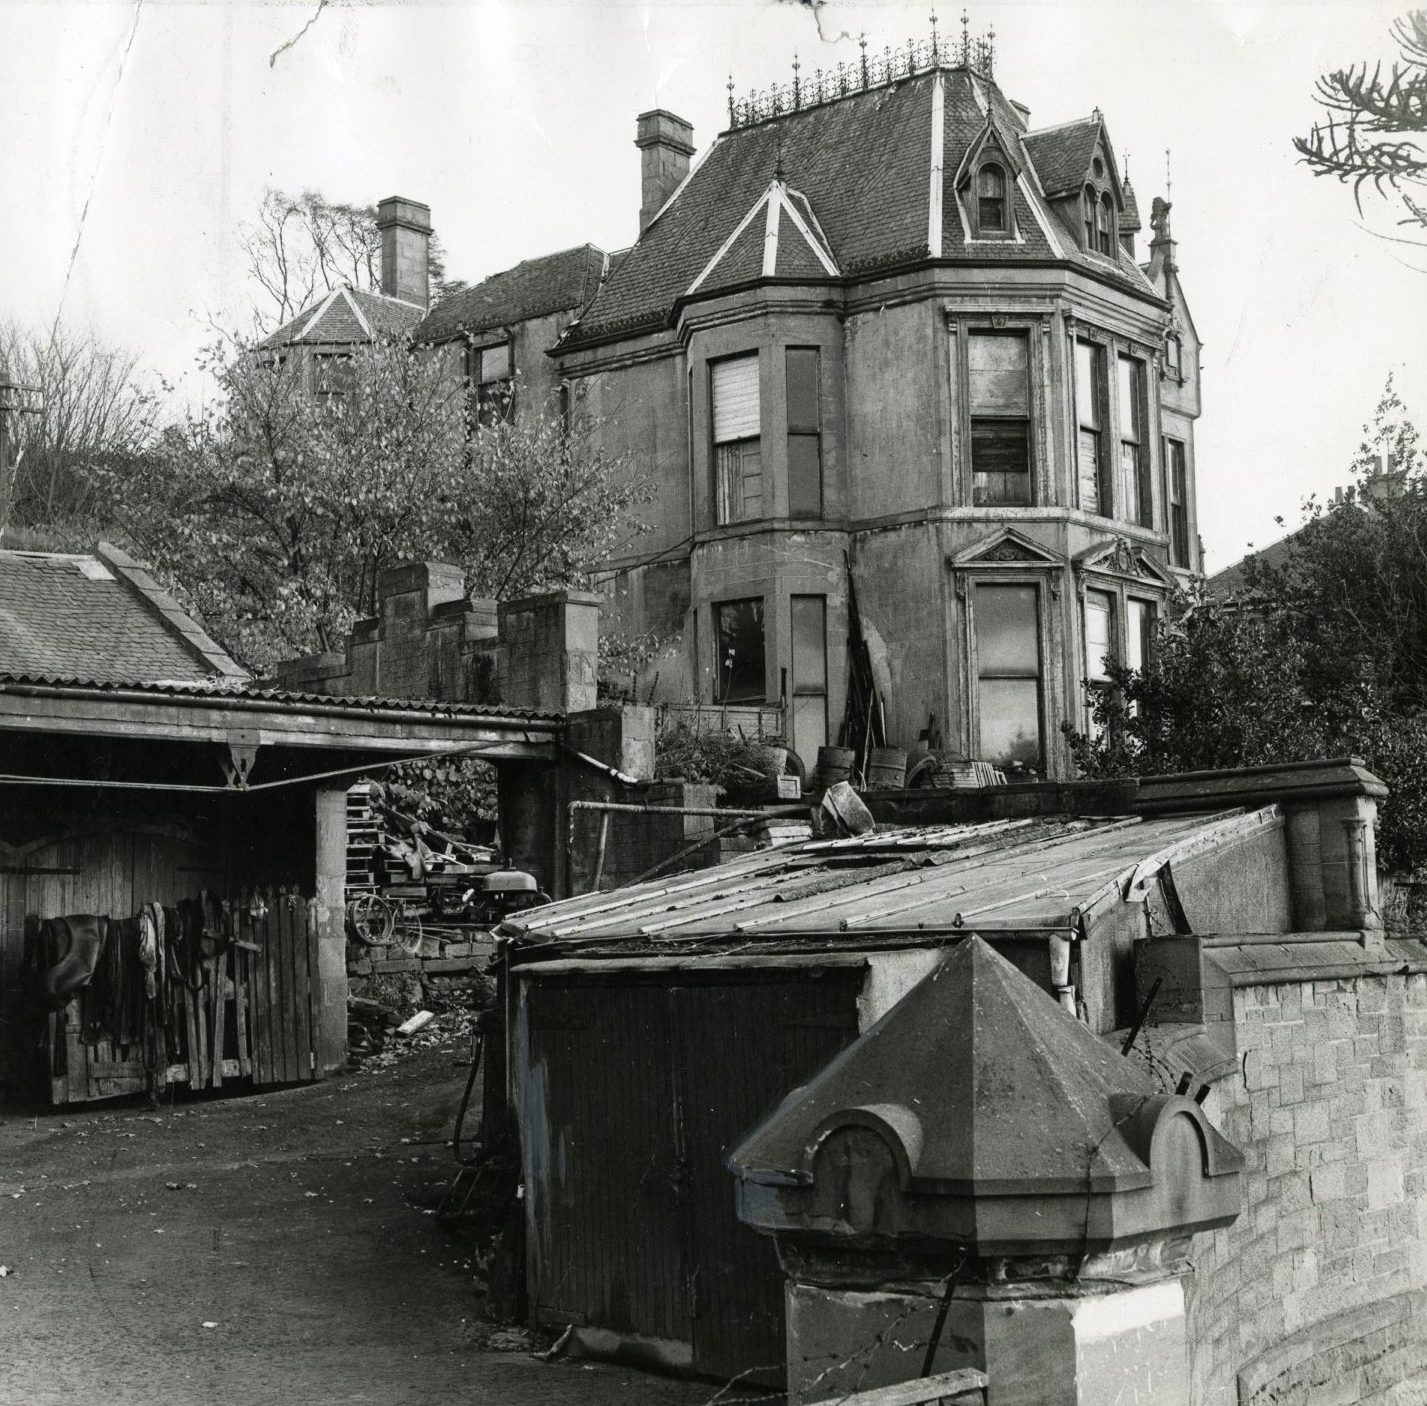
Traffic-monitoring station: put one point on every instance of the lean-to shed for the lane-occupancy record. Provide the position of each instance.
(652, 1027)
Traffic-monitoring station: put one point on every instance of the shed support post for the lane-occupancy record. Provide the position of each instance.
(331, 976)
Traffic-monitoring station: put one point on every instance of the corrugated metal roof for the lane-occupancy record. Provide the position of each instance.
(1003, 874)
(225, 688)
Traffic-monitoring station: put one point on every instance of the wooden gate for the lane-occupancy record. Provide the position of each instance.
(246, 1011)
(636, 1092)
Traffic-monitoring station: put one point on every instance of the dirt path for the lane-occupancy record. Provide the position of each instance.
(268, 1251)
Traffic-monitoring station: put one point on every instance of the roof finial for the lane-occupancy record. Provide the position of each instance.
(990, 51)
(730, 100)
(862, 44)
(778, 159)
(965, 40)
(797, 87)
(936, 49)
(1168, 183)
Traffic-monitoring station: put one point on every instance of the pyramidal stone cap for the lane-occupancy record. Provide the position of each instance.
(977, 1113)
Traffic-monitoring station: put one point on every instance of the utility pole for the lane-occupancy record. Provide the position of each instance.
(13, 403)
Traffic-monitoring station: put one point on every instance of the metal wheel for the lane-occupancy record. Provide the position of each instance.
(370, 919)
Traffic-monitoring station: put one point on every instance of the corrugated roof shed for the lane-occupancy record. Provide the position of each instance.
(102, 618)
(1006, 874)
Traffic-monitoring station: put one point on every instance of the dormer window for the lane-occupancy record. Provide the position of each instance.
(991, 200)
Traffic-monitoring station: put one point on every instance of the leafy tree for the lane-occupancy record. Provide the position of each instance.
(1369, 135)
(1323, 652)
(276, 507)
(85, 405)
(299, 247)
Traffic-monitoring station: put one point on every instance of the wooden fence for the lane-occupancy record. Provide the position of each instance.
(249, 1013)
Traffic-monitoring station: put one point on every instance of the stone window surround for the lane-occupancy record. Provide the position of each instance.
(961, 322)
(1115, 345)
(1046, 580)
(1121, 591)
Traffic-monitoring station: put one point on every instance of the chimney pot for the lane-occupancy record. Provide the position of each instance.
(665, 142)
(405, 228)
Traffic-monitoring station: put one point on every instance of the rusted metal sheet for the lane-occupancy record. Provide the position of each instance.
(634, 1090)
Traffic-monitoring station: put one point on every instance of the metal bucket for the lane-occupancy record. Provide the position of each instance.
(834, 765)
(887, 768)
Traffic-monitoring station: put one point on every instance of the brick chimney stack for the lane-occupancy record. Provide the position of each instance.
(666, 143)
(405, 227)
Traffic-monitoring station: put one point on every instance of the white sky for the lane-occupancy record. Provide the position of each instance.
(515, 122)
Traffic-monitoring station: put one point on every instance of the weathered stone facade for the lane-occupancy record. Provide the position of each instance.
(1318, 1293)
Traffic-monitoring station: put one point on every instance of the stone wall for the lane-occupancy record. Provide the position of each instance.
(1318, 1293)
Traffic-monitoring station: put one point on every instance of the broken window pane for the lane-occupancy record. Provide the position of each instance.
(738, 632)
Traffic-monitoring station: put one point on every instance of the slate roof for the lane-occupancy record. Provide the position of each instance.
(347, 315)
(102, 618)
(1061, 155)
(553, 283)
(861, 166)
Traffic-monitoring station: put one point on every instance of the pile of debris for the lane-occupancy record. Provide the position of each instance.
(383, 1027)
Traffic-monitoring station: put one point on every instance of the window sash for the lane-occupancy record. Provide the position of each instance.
(1178, 503)
(494, 364)
(1136, 503)
(809, 703)
(738, 474)
(1001, 462)
(998, 365)
(1006, 624)
(1099, 635)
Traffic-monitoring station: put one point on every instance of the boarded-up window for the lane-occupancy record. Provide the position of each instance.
(1008, 669)
(1135, 498)
(809, 618)
(1000, 400)
(738, 456)
(741, 675)
(1090, 413)
(805, 462)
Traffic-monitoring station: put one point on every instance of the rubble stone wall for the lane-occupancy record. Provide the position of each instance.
(1318, 1292)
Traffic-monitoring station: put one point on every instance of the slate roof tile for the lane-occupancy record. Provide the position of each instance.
(333, 320)
(64, 615)
(553, 283)
(863, 164)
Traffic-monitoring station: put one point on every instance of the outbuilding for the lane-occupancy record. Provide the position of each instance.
(143, 770)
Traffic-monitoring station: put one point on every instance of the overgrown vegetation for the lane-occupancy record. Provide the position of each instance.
(276, 508)
(1322, 653)
(723, 758)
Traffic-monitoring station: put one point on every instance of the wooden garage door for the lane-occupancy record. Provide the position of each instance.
(637, 1093)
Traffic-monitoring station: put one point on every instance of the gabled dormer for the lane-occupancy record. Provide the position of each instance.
(984, 185)
(1077, 170)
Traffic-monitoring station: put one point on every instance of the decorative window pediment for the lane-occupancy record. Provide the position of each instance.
(1006, 548)
(1119, 558)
